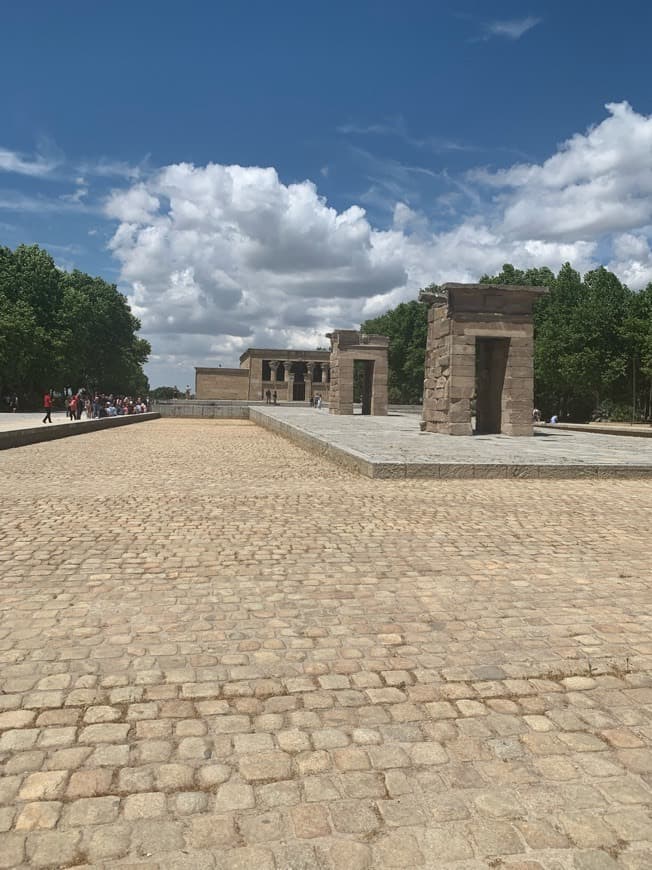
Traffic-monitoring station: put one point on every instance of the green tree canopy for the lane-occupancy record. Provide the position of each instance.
(407, 328)
(592, 343)
(64, 328)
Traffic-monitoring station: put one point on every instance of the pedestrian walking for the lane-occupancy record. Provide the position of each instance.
(274, 396)
(47, 407)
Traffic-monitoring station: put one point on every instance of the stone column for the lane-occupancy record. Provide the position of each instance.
(256, 378)
(310, 370)
(289, 377)
(518, 391)
(273, 368)
(379, 387)
(324, 391)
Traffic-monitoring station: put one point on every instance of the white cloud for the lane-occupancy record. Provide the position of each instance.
(217, 258)
(38, 166)
(105, 168)
(78, 195)
(514, 28)
(632, 258)
(12, 200)
(596, 183)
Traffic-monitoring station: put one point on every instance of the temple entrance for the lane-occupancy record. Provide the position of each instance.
(490, 366)
(365, 368)
(299, 391)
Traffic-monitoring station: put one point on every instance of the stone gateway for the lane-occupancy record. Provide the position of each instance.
(479, 359)
(369, 352)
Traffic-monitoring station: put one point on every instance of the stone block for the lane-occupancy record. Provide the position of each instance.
(234, 795)
(88, 783)
(53, 848)
(265, 766)
(310, 821)
(43, 786)
(148, 805)
(42, 814)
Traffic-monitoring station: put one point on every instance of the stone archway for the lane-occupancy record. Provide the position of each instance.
(348, 347)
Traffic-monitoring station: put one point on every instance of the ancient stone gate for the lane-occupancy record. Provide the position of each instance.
(348, 347)
(479, 359)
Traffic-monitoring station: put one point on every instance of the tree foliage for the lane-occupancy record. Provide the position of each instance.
(62, 328)
(160, 394)
(407, 328)
(592, 343)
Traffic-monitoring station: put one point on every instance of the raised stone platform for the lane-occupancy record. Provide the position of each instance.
(393, 447)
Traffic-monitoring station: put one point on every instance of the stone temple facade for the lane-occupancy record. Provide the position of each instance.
(479, 359)
(295, 375)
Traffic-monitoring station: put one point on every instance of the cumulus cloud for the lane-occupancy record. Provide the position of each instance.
(217, 258)
(596, 183)
(632, 258)
(232, 251)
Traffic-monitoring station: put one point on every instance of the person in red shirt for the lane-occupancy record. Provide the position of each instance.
(47, 406)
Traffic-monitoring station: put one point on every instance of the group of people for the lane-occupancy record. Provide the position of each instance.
(95, 406)
(271, 398)
(536, 417)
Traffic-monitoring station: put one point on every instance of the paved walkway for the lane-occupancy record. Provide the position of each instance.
(29, 419)
(220, 651)
(393, 446)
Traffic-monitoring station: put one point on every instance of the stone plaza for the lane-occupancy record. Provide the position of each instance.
(218, 650)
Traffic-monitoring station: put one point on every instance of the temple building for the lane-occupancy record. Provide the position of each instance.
(296, 375)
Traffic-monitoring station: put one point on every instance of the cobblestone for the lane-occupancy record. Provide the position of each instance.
(253, 658)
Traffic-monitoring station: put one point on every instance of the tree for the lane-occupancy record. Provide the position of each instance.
(61, 328)
(163, 393)
(592, 343)
(407, 329)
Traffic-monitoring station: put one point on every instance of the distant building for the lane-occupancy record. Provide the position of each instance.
(296, 375)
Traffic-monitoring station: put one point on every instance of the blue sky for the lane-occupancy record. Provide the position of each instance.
(259, 173)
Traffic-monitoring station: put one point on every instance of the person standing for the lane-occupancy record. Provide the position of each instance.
(47, 407)
(275, 397)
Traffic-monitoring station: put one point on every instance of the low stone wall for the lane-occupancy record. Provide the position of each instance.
(597, 429)
(50, 432)
(224, 409)
(215, 408)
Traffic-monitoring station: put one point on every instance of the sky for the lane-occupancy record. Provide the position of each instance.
(256, 174)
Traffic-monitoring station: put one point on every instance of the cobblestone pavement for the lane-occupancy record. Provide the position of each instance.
(217, 650)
